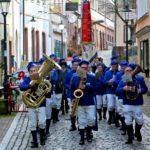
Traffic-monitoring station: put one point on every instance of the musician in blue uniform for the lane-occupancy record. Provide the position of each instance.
(54, 104)
(57, 78)
(111, 90)
(48, 105)
(67, 80)
(132, 87)
(86, 108)
(119, 107)
(100, 92)
(36, 115)
(64, 101)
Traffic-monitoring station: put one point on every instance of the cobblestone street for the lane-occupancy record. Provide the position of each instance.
(106, 138)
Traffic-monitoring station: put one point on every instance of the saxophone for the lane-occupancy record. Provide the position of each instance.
(78, 93)
(33, 98)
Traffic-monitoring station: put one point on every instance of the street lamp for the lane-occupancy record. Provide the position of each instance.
(61, 27)
(126, 10)
(4, 4)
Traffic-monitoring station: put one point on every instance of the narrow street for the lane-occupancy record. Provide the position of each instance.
(106, 138)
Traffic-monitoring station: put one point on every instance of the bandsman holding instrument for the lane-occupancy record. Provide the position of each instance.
(67, 80)
(100, 92)
(36, 115)
(132, 87)
(111, 90)
(83, 90)
(119, 110)
(36, 88)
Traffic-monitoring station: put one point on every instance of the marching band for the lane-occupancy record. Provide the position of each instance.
(84, 90)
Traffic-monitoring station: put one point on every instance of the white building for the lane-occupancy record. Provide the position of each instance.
(37, 33)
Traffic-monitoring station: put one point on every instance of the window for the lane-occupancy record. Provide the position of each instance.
(33, 44)
(44, 43)
(37, 45)
(142, 8)
(100, 40)
(57, 49)
(26, 43)
(144, 55)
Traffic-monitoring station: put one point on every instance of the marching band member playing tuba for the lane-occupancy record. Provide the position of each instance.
(132, 101)
(86, 109)
(36, 115)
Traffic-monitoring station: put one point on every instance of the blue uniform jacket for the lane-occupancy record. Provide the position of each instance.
(89, 91)
(25, 86)
(118, 78)
(67, 81)
(138, 81)
(110, 89)
(57, 78)
(100, 86)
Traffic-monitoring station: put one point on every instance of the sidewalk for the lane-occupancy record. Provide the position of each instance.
(146, 105)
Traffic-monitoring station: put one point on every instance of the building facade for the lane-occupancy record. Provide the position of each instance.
(143, 35)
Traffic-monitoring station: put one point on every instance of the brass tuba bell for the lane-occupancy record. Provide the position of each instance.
(128, 79)
(34, 98)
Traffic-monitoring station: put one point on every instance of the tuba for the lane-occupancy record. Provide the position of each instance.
(128, 79)
(34, 98)
(78, 93)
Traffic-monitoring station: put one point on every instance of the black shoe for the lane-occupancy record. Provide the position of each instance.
(99, 113)
(128, 142)
(104, 112)
(100, 118)
(47, 134)
(130, 134)
(73, 129)
(42, 136)
(110, 118)
(89, 140)
(138, 133)
(104, 117)
(139, 137)
(109, 122)
(81, 142)
(34, 145)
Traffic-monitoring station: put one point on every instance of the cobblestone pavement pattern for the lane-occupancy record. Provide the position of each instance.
(106, 138)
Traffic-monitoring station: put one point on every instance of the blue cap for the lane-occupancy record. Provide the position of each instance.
(84, 62)
(123, 63)
(62, 61)
(76, 60)
(114, 62)
(75, 57)
(41, 60)
(114, 57)
(100, 64)
(53, 56)
(133, 66)
(31, 65)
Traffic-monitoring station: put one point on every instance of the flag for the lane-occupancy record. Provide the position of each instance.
(86, 23)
